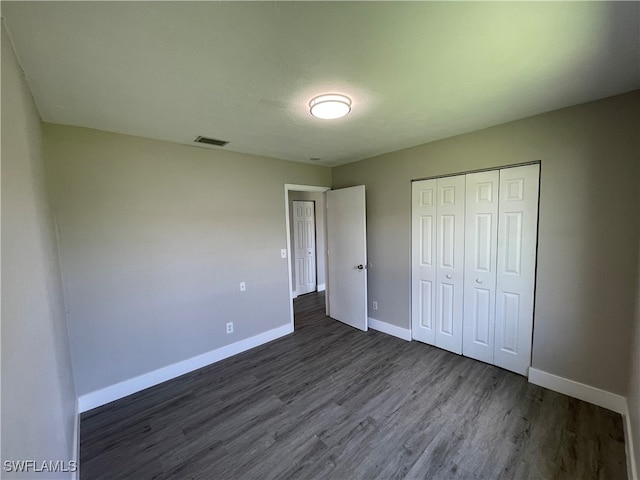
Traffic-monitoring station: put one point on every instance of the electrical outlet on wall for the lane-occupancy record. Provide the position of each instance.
(229, 327)
(375, 305)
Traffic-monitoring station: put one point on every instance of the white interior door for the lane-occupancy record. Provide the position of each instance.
(450, 262)
(304, 234)
(423, 254)
(517, 237)
(481, 245)
(347, 256)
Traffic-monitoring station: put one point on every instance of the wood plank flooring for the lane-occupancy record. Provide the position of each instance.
(331, 402)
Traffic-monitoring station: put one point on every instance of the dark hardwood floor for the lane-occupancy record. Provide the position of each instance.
(331, 402)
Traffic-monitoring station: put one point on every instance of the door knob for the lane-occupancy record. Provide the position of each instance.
(478, 280)
(360, 267)
(449, 275)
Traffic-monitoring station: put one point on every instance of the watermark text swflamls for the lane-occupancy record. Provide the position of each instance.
(50, 466)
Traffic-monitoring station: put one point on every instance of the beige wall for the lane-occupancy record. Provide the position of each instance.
(588, 233)
(318, 198)
(38, 397)
(155, 238)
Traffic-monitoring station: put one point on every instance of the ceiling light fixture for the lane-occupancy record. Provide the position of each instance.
(330, 106)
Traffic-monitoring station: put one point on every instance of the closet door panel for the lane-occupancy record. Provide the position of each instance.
(481, 245)
(449, 262)
(517, 238)
(423, 270)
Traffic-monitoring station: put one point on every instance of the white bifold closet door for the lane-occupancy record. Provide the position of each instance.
(516, 271)
(480, 251)
(438, 250)
(423, 254)
(473, 264)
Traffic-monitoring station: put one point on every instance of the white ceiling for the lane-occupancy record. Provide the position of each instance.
(245, 72)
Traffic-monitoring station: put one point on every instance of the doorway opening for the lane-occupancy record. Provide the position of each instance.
(308, 309)
(306, 266)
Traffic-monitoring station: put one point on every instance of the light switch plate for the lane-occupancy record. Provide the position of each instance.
(283, 253)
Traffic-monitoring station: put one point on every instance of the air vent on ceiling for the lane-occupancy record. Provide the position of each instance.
(210, 141)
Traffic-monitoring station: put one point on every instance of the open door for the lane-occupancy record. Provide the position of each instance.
(347, 256)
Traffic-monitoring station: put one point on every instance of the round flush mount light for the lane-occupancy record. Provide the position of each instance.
(330, 106)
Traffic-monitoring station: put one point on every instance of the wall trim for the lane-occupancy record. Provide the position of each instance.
(479, 170)
(581, 391)
(119, 390)
(319, 288)
(384, 327)
(632, 468)
(75, 448)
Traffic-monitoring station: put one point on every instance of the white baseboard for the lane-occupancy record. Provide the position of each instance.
(384, 327)
(596, 396)
(319, 288)
(581, 391)
(119, 390)
(632, 467)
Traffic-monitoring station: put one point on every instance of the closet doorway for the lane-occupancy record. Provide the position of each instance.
(474, 239)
